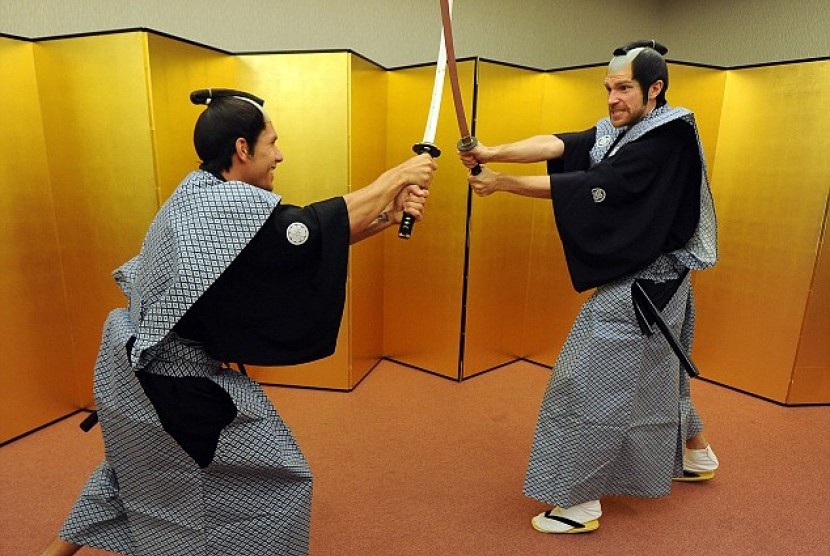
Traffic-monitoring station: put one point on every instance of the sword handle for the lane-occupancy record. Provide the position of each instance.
(468, 143)
(408, 221)
(644, 301)
(90, 421)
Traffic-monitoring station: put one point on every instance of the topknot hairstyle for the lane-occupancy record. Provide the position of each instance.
(230, 114)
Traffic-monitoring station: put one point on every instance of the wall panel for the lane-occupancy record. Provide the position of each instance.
(307, 97)
(572, 100)
(96, 124)
(700, 90)
(424, 275)
(811, 374)
(367, 156)
(508, 109)
(177, 69)
(37, 384)
(770, 184)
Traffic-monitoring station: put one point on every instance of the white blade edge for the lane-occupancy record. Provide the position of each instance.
(437, 89)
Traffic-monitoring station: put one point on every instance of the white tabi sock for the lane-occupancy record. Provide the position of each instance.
(700, 461)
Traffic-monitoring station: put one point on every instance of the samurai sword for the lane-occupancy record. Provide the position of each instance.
(647, 309)
(427, 144)
(467, 141)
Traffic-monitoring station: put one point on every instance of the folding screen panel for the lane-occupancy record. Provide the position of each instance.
(770, 183)
(811, 375)
(573, 100)
(307, 97)
(700, 90)
(37, 384)
(175, 70)
(367, 160)
(329, 111)
(424, 276)
(509, 108)
(96, 124)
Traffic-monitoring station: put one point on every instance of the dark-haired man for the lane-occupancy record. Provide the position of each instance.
(631, 202)
(197, 459)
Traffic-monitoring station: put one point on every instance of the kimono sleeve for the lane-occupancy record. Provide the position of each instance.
(619, 215)
(281, 301)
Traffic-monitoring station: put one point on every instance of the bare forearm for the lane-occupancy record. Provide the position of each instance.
(380, 223)
(534, 149)
(364, 205)
(403, 187)
(526, 186)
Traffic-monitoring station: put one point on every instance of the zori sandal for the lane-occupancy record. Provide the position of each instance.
(582, 518)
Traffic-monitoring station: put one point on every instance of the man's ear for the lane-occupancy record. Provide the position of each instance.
(655, 89)
(241, 147)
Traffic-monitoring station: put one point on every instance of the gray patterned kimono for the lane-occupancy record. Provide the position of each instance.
(148, 496)
(617, 409)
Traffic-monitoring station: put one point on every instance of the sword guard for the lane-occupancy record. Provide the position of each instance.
(468, 143)
(421, 148)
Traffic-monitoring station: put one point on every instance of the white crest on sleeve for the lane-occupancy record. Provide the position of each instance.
(297, 233)
(598, 194)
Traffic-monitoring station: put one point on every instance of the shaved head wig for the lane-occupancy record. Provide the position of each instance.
(647, 65)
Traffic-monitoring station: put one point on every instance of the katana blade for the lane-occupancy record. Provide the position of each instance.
(427, 144)
(437, 92)
(467, 141)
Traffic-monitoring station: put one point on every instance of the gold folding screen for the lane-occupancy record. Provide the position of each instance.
(98, 132)
(424, 276)
(572, 101)
(509, 107)
(37, 382)
(329, 111)
(811, 375)
(307, 97)
(106, 126)
(93, 94)
(367, 154)
(174, 70)
(762, 327)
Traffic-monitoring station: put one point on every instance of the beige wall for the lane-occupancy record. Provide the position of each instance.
(536, 33)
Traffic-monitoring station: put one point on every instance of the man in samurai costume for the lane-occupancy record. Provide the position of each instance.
(631, 202)
(198, 461)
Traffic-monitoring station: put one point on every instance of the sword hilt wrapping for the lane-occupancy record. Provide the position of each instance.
(468, 143)
(90, 421)
(408, 221)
